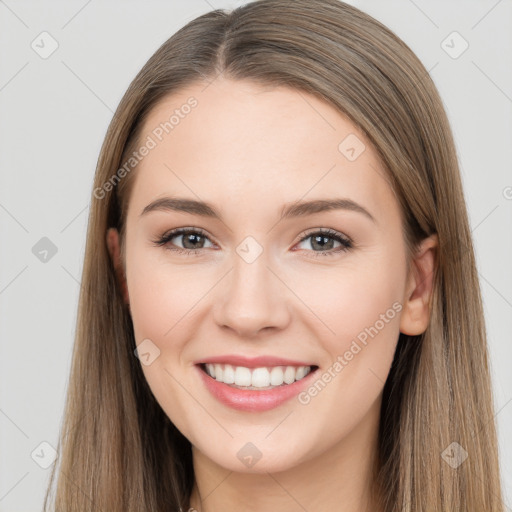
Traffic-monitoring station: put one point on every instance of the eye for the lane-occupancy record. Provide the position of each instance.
(324, 240)
(193, 240)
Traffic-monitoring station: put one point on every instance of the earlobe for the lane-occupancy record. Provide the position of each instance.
(115, 255)
(416, 311)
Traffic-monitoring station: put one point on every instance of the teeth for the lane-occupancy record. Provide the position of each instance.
(289, 375)
(301, 372)
(260, 378)
(242, 376)
(256, 377)
(218, 372)
(276, 376)
(229, 374)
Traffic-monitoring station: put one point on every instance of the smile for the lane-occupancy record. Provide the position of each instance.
(257, 388)
(256, 378)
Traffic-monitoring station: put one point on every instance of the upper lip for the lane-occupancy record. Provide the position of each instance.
(252, 362)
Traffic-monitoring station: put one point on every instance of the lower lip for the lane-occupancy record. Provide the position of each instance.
(252, 400)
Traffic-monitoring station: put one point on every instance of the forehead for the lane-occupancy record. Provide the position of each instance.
(257, 147)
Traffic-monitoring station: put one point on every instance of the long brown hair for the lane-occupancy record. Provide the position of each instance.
(118, 451)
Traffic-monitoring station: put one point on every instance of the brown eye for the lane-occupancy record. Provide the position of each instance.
(192, 240)
(323, 242)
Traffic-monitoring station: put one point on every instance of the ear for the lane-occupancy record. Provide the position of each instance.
(416, 302)
(115, 254)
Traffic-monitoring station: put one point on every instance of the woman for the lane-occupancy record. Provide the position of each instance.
(280, 306)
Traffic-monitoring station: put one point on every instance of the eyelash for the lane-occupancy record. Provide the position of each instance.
(346, 243)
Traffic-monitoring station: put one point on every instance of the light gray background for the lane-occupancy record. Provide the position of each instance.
(54, 114)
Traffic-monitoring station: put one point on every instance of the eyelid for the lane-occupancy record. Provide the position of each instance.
(171, 233)
(345, 241)
(324, 231)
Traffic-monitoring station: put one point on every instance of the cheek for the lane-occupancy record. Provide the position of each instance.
(363, 309)
(162, 300)
(348, 300)
(162, 296)
(359, 307)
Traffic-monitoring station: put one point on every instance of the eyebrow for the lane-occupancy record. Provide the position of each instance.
(289, 210)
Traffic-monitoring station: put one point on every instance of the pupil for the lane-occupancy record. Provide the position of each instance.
(319, 240)
(189, 239)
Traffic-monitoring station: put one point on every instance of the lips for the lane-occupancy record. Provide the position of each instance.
(254, 384)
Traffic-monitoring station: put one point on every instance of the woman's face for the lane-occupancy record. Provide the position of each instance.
(321, 288)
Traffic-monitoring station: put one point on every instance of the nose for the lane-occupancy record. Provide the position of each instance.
(252, 298)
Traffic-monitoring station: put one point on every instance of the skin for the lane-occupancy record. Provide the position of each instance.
(248, 149)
